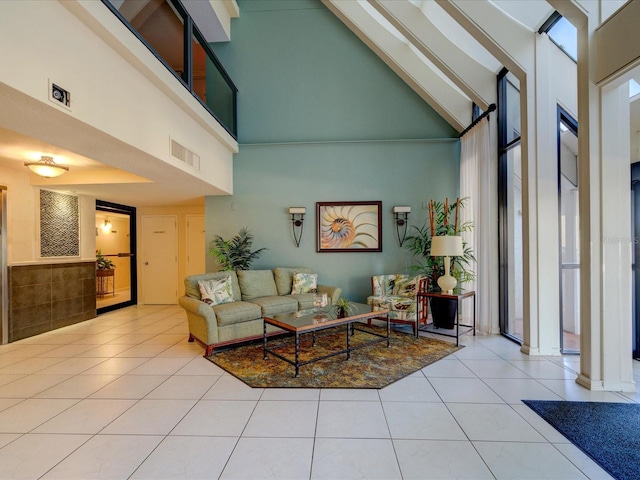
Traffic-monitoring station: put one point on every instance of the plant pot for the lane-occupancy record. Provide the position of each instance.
(444, 312)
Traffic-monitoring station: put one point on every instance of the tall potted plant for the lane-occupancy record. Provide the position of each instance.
(235, 253)
(443, 310)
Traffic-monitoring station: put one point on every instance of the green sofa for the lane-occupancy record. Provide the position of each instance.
(256, 293)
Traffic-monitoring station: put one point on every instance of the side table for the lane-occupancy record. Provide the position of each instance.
(426, 296)
(103, 279)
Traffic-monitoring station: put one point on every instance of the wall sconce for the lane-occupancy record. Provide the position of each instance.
(297, 222)
(46, 167)
(401, 213)
(106, 226)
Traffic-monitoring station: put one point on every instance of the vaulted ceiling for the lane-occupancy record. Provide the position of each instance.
(430, 44)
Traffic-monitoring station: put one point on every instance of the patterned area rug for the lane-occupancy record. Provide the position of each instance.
(608, 432)
(372, 366)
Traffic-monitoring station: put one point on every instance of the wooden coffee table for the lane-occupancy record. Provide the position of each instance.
(314, 320)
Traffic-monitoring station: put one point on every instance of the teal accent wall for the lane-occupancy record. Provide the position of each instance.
(321, 118)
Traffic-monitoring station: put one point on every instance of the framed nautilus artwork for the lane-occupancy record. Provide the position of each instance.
(349, 226)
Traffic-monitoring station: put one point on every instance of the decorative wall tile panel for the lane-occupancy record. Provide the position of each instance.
(59, 225)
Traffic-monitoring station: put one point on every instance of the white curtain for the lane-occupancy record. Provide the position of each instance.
(477, 186)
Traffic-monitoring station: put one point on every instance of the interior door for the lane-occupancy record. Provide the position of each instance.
(159, 259)
(196, 250)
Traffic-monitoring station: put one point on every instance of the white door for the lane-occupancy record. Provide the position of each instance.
(159, 259)
(196, 251)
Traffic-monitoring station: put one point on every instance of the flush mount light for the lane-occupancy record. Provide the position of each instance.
(46, 167)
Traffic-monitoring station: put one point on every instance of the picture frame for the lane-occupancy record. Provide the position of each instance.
(349, 226)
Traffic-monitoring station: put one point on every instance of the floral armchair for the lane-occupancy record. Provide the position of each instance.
(399, 293)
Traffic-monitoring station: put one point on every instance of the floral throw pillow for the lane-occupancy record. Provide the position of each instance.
(216, 292)
(304, 283)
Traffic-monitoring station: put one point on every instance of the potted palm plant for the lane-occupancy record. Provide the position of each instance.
(235, 253)
(443, 310)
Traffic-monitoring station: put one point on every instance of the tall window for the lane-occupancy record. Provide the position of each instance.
(569, 233)
(510, 208)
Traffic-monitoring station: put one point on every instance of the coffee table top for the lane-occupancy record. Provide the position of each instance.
(319, 318)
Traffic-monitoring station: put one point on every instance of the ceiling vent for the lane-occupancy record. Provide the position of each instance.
(182, 153)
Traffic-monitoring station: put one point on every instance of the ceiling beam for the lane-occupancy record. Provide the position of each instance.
(473, 78)
(442, 95)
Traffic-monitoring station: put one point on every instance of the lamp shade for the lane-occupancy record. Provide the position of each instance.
(446, 245)
(46, 167)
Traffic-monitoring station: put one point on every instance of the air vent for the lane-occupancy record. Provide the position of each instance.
(185, 155)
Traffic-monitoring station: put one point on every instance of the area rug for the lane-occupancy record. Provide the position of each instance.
(609, 433)
(373, 366)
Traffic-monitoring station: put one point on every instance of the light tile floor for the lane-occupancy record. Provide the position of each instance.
(125, 396)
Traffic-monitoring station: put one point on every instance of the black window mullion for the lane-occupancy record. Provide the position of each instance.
(188, 53)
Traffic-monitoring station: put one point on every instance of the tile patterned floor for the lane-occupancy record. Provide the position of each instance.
(125, 396)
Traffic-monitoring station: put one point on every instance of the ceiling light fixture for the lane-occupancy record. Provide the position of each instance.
(46, 167)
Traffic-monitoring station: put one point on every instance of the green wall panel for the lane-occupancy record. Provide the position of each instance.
(322, 118)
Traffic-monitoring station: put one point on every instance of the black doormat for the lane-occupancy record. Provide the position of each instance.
(609, 433)
(373, 366)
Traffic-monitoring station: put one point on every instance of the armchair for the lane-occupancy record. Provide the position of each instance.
(399, 294)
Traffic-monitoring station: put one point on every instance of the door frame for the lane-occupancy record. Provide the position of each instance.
(4, 282)
(104, 206)
(635, 266)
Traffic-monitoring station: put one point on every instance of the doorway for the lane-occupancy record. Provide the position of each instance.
(116, 241)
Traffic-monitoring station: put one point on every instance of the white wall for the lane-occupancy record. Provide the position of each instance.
(114, 80)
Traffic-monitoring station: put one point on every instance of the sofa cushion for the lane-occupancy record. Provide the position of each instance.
(216, 292)
(256, 283)
(192, 289)
(236, 312)
(284, 278)
(305, 300)
(276, 304)
(304, 283)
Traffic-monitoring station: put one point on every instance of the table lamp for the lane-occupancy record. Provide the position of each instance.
(446, 246)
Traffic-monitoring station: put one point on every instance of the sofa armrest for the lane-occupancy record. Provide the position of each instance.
(333, 293)
(198, 307)
(203, 323)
